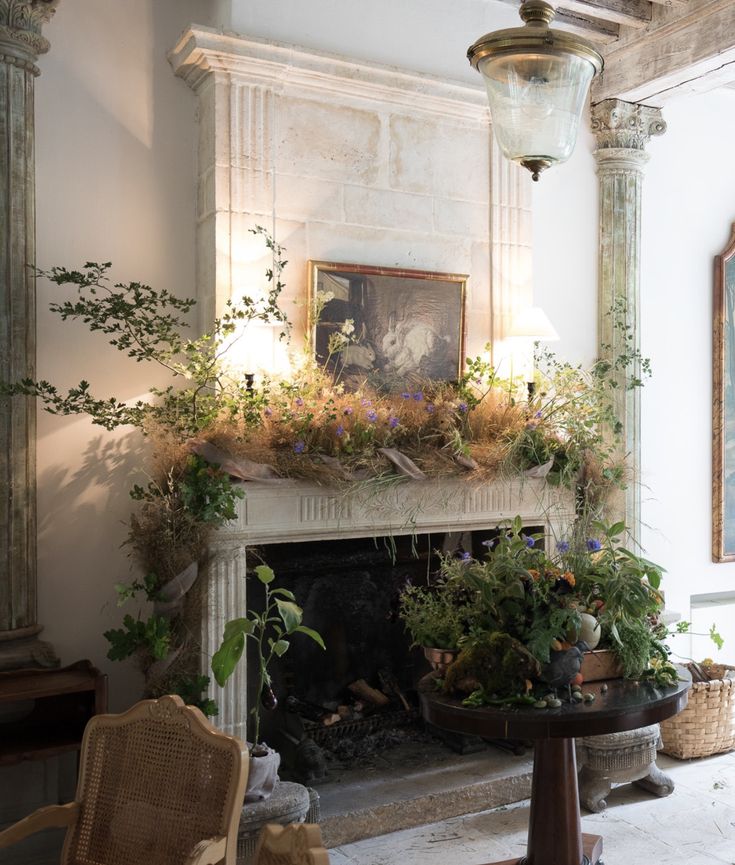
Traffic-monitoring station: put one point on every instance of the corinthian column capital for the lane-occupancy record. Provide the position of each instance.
(20, 27)
(624, 125)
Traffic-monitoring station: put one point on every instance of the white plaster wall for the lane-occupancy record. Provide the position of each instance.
(424, 35)
(115, 161)
(689, 206)
(565, 239)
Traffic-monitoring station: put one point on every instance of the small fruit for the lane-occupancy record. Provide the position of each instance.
(603, 688)
(577, 680)
(553, 702)
(540, 704)
(589, 698)
(577, 696)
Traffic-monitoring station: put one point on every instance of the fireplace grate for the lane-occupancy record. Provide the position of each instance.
(326, 736)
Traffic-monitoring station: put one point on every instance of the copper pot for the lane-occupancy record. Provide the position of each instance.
(440, 659)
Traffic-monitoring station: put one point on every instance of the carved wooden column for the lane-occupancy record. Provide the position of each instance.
(622, 131)
(20, 44)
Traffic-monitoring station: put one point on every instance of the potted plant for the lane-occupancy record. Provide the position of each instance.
(436, 616)
(521, 614)
(271, 631)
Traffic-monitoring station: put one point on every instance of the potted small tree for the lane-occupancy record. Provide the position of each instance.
(271, 631)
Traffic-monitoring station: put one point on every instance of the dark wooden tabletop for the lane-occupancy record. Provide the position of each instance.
(625, 705)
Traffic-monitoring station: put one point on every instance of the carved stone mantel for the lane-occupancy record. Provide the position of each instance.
(622, 131)
(21, 42)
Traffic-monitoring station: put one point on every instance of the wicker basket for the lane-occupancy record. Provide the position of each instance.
(707, 724)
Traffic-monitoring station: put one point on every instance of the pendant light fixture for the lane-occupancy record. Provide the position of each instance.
(537, 82)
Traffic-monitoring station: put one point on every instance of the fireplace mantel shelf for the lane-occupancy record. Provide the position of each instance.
(287, 510)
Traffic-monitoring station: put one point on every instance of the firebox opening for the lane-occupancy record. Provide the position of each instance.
(357, 699)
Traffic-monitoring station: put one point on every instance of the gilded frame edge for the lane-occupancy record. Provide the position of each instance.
(314, 265)
(719, 555)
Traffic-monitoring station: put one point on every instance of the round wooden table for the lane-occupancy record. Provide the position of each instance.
(555, 830)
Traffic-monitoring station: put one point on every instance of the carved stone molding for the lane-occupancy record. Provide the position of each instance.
(622, 125)
(21, 22)
(622, 131)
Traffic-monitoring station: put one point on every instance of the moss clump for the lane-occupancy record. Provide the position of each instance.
(497, 663)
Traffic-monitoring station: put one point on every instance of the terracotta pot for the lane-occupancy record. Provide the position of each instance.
(440, 659)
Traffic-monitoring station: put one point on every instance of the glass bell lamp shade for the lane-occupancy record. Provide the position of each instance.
(537, 82)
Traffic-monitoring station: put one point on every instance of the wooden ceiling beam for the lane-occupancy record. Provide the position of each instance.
(602, 32)
(690, 49)
(631, 13)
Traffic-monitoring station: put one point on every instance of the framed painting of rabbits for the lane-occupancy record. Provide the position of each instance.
(387, 326)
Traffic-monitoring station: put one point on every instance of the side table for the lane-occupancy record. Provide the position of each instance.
(43, 713)
(555, 830)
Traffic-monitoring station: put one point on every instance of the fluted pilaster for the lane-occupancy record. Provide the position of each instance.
(20, 44)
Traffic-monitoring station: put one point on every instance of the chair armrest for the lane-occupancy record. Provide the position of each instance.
(50, 817)
(208, 852)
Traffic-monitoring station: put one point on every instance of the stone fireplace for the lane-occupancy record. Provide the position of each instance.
(352, 162)
(296, 515)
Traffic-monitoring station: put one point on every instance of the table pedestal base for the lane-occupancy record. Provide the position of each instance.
(591, 844)
(554, 827)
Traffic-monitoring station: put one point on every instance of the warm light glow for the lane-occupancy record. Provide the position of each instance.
(256, 348)
(532, 323)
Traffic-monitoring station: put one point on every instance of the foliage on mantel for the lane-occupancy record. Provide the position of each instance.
(211, 424)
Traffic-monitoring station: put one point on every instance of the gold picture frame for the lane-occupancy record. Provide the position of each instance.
(409, 325)
(723, 406)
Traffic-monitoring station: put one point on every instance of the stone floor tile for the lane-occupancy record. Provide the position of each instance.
(693, 826)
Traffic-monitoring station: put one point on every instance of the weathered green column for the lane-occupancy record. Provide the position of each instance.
(622, 131)
(20, 44)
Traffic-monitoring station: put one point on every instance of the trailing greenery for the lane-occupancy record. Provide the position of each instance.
(310, 426)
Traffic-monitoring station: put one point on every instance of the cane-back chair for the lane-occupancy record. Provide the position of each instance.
(295, 844)
(158, 785)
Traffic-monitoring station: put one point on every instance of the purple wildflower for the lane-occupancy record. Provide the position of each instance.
(418, 396)
(406, 395)
(340, 431)
(593, 545)
(299, 401)
(431, 408)
(348, 411)
(372, 415)
(393, 422)
(267, 411)
(462, 407)
(466, 557)
(538, 414)
(528, 540)
(298, 447)
(489, 543)
(562, 546)
(365, 402)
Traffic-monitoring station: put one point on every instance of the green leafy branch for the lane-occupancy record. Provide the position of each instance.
(270, 630)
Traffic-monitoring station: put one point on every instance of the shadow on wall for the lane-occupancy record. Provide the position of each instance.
(83, 517)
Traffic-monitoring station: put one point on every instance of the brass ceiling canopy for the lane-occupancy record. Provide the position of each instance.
(537, 82)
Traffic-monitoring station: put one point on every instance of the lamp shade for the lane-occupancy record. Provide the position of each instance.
(533, 323)
(537, 82)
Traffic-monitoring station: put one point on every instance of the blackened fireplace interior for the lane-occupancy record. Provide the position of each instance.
(338, 706)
